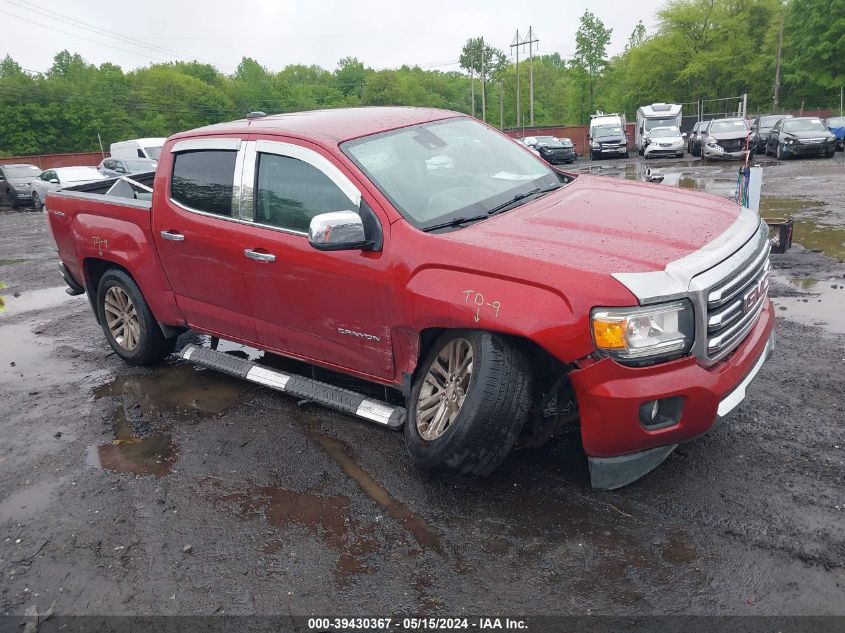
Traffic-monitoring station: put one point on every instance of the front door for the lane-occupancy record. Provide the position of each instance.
(326, 307)
(196, 232)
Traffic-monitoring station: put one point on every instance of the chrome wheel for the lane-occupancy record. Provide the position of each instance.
(121, 318)
(444, 389)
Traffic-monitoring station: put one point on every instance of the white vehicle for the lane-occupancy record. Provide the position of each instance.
(138, 148)
(52, 179)
(607, 135)
(664, 141)
(655, 115)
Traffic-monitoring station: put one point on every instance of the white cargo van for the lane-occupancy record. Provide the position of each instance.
(655, 115)
(138, 148)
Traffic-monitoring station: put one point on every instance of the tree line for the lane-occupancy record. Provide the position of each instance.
(700, 49)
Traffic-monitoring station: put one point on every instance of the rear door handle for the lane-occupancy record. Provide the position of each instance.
(259, 257)
(173, 236)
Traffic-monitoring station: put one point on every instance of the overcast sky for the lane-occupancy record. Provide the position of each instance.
(381, 33)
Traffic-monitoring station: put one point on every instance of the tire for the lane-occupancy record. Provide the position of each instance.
(12, 200)
(146, 343)
(627, 154)
(488, 418)
(779, 152)
(36, 201)
(829, 154)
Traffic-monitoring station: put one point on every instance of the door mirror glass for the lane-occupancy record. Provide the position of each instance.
(337, 231)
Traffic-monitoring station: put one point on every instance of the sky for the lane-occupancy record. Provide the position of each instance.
(380, 33)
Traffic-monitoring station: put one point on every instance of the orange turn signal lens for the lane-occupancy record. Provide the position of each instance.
(609, 334)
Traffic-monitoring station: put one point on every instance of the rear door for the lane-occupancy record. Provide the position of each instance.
(196, 231)
(328, 307)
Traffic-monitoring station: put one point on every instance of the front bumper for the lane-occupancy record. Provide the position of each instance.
(709, 151)
(654, 151)
(619, 447)
(610, 151)
(21, 194)
(808, 149)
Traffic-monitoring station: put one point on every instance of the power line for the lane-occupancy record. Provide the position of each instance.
(132, 41)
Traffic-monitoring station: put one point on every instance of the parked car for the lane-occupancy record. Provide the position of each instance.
(608, 140)
(480, 293)
(15, 179)
(663, 141)
(552, 149)
(801, 136)
(760, 128)
(725, 138)
(52, 179)
(112, 167)
(836, 125)
(137, 148)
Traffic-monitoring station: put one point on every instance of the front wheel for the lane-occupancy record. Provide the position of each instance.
(779, 151)
(129, 326)
(468, 404)
(36, 201)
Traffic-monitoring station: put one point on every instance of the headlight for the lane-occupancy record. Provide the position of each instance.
(650, 333)
(789, 141)
(596, 145)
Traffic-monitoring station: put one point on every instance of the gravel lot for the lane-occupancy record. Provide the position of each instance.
(171, 490)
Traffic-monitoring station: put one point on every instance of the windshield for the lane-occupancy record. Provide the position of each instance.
(653, 123)
(665, 132)
(607, 130)
(548, 141)
(72, 174)
(436, 172)
(768, 122)
(837, 121)
(566, 142)
(22, 171)
(153, 152)
(141, 164)
(731, 125)
(804, 125)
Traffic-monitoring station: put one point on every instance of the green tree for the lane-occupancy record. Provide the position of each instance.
(590, 58)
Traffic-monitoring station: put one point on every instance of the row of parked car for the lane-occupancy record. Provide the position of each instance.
(781, 135)
(23, 184)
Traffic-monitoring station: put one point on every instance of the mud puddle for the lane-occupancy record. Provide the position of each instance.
(812, 301)
(28, 361)
(43, 299)
(181, 392)
(328, 518)
(128, 453)
(28, 501)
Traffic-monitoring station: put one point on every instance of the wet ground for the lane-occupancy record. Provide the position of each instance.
(178, 490)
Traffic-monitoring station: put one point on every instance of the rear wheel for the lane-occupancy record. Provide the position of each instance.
(469, 402)
(129, 326)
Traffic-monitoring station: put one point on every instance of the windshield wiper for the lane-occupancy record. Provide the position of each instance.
(455, 222)
(521, 196)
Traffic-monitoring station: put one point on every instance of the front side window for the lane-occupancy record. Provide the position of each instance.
(289, 192)
(441, 171)
(202, 180)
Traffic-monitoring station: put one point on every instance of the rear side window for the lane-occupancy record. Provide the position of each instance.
(202, 180)
(290, 192)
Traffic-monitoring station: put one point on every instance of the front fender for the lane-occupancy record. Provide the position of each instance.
(438, 297)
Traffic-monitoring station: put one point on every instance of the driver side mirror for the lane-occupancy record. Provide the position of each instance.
(684, 134)
(55, 181)
(337, 231)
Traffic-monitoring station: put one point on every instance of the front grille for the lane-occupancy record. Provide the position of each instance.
(734, 305)
(731, 145)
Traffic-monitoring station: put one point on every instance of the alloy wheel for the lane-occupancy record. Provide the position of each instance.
(444, 389)
(122, 318)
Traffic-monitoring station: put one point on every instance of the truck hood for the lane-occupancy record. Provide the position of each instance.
(604, 225)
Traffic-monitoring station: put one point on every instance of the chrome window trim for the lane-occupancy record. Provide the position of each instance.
(143, 205)
(318, 161)
(194, 144)
(185, 207)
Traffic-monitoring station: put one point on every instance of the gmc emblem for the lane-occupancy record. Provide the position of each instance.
(755, 293)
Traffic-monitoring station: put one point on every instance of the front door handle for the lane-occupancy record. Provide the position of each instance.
(259, 257)
(173, 236)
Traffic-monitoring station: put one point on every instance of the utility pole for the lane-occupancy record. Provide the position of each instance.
(501, 106)
(777, 66)
(483, 84)
(516, 44)
(531, 40)
(744, 103)
(472, 91)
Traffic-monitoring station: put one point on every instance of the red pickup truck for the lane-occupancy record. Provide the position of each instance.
(423, 250)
